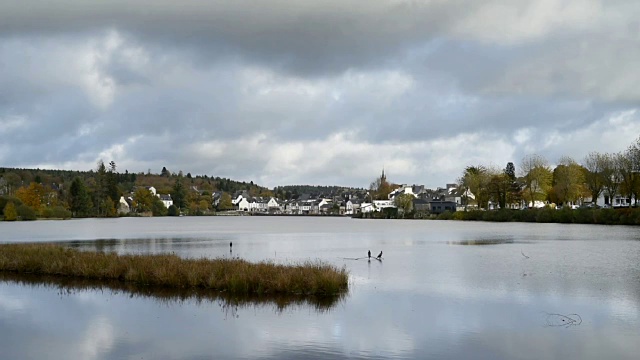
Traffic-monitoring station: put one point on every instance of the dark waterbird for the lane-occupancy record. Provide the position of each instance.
(379, 255)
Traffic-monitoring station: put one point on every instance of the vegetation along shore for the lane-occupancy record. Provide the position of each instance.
(548, 215)
(233, 276)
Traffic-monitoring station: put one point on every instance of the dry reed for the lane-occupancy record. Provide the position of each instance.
(231, 275)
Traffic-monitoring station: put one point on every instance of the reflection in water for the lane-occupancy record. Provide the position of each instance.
(166, 295)
(481, 242)
(430, 300)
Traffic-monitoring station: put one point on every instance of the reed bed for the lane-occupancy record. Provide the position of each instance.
(234, 276)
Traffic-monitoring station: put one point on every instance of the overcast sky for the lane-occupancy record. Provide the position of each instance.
(324, 92)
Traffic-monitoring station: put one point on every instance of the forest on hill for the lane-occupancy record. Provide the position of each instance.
(33, 193)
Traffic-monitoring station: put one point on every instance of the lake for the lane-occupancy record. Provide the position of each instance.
(444, 289)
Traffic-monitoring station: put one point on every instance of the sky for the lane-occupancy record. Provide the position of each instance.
(324, 92)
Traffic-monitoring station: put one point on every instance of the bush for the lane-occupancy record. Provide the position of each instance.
(4, 200)
(59, 212)
(502, 215)
(447, 215)
(583, 216)
(526, 215)
(546, 215)
(173, 211)
(474, 215)
(158, 208)
(605, 217)
(10, 212)
(46, 213)
(26, 213)
(564, 215)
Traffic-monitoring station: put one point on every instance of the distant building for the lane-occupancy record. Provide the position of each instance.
(123, 206)
(438, 207)
(166, 200)
(420, 205)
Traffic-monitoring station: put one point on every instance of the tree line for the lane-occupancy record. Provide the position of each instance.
(28, 194)
(569, 182)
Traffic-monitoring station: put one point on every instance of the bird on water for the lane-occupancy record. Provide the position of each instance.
(369, 253)
(379, 255)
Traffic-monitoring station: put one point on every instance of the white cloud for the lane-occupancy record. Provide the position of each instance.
(509, 21)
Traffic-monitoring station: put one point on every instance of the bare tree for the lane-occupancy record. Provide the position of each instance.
(611, 174)
(594, 164)
(628, 167)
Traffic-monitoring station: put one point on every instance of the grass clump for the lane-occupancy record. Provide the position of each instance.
(231, 275)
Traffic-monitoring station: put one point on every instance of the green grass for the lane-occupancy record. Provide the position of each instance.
(234, 276)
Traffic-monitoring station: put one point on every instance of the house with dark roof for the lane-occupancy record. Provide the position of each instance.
(440, 206)
(420, 205)
(166, 199)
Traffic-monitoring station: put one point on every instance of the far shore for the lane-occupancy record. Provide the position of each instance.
(600, 216)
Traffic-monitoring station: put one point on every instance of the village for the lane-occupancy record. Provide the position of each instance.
(347, 203)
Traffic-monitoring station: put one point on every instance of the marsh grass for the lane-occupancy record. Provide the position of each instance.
(234, 276)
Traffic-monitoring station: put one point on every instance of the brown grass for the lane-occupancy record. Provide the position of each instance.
(231, 275)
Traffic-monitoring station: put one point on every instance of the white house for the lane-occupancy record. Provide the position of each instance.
(238, 199)
(273, 205)
(348, 207)
(243, 204)
(305, 207)
(404, 189)
(377, 205)
(257, 205)
(123, 206)
(293, 207)
(381, 204)
(614, 201)
(166, 199)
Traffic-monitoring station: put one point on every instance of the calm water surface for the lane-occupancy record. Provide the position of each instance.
(454, 290)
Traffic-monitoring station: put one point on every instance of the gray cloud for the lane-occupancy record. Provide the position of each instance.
(270, 91)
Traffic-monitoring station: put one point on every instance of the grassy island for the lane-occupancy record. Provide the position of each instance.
(229, 275)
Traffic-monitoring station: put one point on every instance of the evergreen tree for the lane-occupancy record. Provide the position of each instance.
(100, 193)
(514, 194)
(112, 184)
(80, 202)
(179, 194)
